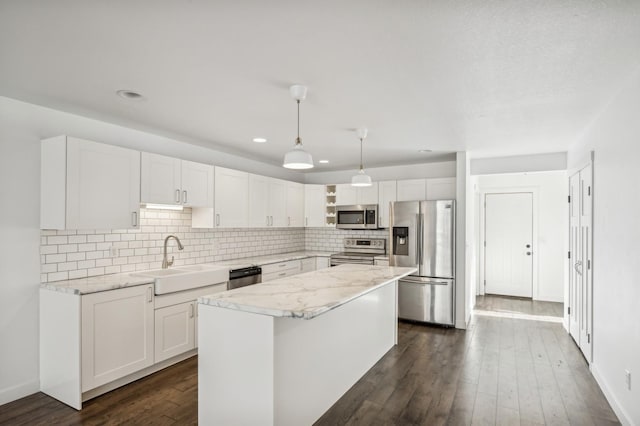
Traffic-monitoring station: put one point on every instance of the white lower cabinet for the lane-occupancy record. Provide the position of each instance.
(322, 262)
(175, 328)
(308, 265)
(381, 262)
(117, 334)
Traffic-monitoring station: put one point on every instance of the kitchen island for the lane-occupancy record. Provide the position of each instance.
(283, 352)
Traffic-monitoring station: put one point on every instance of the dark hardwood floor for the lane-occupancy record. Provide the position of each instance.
(500, 371)
(519, 305)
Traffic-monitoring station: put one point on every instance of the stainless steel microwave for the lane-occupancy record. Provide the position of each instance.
(361, 216)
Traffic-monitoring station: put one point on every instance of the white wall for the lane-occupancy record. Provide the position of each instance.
(22, 126)
(463, 279)
(519, 163)
(551, 220)
(412, 171)
(615, 137)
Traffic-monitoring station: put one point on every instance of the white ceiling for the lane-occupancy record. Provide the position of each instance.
(492, 77)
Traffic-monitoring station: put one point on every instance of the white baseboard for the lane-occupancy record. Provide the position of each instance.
(617, 408)
(19, 391)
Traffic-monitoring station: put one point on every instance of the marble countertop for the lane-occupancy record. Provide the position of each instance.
(272, 258)
(95, 284)
(310, 294)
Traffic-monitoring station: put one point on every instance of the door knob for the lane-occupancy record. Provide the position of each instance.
(528, 253)
(528, 245)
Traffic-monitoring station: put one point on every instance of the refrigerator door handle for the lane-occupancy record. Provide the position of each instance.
(413, 280)
(418, 239)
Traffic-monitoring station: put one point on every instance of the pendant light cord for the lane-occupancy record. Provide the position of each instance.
(298, 141)
(361, 167)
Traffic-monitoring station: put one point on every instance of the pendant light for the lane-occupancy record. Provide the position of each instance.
(298, 158)
(361, 179)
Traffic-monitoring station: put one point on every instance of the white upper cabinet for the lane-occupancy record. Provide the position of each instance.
(88, 185)
(412, 189)
(386, 195)
(197, 184)
(267, 202)
(441, 189)
(346, 195)
(367, 194)
(231, 198)
(167, 180)
(295, 204)
(314, 205)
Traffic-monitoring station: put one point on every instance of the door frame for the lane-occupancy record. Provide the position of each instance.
(534, 232)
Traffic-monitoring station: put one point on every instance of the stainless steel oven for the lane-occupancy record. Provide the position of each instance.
(361, 251)
(360, 216)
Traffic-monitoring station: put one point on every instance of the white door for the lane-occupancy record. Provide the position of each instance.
(231, 198)
(580, 270)
(160, 179)
(103, 186)
(197, 184)
(175, 330)
(508, 249)
(314, 205)
(386, 195)
(574, 253)
(412, 189)
(117, 334)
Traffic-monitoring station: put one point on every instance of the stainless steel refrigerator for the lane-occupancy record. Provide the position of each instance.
(422, 234)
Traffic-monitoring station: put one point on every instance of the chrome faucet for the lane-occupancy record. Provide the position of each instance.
(165, 262)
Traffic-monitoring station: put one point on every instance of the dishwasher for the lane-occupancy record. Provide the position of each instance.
(242, 277)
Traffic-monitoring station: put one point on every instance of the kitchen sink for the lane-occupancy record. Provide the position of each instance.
(186, 277)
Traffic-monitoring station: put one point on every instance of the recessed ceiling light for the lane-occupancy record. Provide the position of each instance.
(130, 94)
(424, 151)
(323, 161)
(259, 140)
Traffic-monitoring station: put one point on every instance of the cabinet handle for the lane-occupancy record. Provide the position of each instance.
(184, 197)
(191, 311)
(282, 265)
(270, 220)
(134, 218)
(289, 221)
(306, 221)
(282, 274)
(178, 196)
(150, 294)
(218, 219)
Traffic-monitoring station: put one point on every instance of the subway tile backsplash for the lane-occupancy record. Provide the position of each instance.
(85, 253)
(331, 239)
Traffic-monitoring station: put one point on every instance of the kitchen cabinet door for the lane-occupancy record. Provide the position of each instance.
(386, 195)
(368, 194)
(412, 189)
(295, 204)
(259, 216)
(174, 330)
(322, 262)
(308, 265)
(116, 333)
(197, 184)
(278, 203)
(346, 195)
(102, 186)
(231, 198)
(314, 205)
(441, 189)
(160, 179)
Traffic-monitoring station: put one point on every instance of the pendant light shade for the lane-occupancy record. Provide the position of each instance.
(361, 179)
(298, 158)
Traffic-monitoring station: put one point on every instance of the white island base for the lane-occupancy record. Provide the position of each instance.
(256, 369)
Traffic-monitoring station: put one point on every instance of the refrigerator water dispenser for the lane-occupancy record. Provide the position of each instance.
(401, 241)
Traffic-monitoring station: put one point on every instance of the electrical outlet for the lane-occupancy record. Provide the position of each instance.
(113, 251)
(627, 378)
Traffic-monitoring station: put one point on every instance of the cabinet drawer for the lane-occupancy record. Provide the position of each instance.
(279, 274)
(381, 262)
(279, 267)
